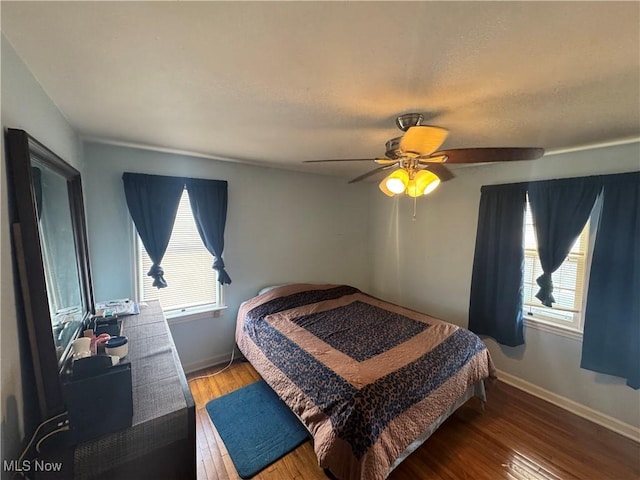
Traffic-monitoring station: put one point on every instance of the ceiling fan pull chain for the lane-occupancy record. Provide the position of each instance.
(415, 206)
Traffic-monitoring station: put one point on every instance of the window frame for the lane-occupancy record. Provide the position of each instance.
(182, 313)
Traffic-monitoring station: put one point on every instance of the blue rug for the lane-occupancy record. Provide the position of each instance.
(256, 427)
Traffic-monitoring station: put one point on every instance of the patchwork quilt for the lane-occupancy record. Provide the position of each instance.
(366, 377)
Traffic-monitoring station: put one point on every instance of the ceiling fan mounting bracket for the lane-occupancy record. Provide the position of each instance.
(408, 120)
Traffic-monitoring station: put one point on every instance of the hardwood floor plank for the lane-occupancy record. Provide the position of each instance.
(207, 431)
(215, 467)
(209, 456)
(517, 437)
(245, 376)
(229, 468)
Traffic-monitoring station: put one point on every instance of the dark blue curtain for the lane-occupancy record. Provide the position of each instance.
(611, 339)
(209, 206)
(560, 210)
(496, 286)
(153, 203)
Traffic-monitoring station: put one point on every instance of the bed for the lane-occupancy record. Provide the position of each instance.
(370, 380)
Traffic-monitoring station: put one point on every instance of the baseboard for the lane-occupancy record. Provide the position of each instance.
(207, 362)
(583, 411)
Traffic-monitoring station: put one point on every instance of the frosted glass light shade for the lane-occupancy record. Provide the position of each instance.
(395, 183)
(412, 188)
(424, 183)
(432, 186)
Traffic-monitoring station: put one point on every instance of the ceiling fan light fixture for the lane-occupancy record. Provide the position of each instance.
(431, 187)
(423, 183)
(396, 183)
(412, 189)
(383, 188)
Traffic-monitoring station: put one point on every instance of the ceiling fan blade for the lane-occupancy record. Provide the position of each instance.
(480, 155)
(432, 158)
(379, 161)
(372, 172)
(442, 172)
(422, 140)
(386, 161)
(342, 160)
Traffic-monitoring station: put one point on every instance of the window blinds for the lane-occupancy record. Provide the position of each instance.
(568, 280)
(187, 265)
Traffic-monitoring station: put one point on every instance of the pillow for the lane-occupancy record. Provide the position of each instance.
(271, 287)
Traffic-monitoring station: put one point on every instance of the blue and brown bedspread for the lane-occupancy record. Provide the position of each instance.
(366, 377)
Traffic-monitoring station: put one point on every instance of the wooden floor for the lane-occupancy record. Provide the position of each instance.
(517, 437)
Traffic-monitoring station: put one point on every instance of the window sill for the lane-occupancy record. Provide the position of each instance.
(548, 327)
(186, 315)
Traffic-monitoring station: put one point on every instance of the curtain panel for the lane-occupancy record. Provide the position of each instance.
(209, 206)
(560, 210)
(495, 307)
(153, 203)
(611, 338)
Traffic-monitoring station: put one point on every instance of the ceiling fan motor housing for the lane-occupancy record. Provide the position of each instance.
(393, 148)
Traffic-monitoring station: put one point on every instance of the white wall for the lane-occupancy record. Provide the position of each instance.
(281, 227)
(426, 264)
(26, 106)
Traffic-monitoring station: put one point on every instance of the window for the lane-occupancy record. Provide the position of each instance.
(192, 283)
(569, 281)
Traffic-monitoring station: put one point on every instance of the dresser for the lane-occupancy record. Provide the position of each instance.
(161, 443)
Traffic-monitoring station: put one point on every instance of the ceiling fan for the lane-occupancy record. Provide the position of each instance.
(417, 164)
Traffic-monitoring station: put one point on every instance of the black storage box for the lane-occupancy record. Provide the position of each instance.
(99, 404)
(111, 325)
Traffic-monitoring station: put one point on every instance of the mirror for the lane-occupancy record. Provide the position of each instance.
(51, 250)
(57, 247)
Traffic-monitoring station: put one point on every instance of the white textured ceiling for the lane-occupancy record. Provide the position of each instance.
(282, 82)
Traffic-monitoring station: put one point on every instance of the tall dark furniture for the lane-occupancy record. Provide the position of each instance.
(50, 245)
